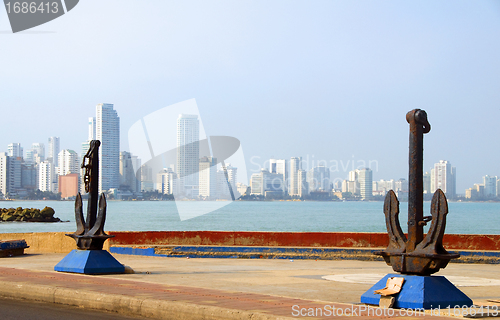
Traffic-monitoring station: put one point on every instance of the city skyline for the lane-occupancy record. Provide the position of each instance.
(442, 175)
(329, 79)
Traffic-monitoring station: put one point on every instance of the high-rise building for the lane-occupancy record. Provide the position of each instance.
(45, 176)
(68, 162)
(295, 166)
(92, 128)
(265, 182)
(227, 174)
(68, 185)
(490, 186)
(318, 179)
(128, 178)
(39, 149)
(208, 178)
(10, 174)
(279, 166)
(498, 188)
(166, 181)
(380, 188)
(303, 186)
(107, 130)
(188, 154)
(427, 182)
(53, 150)
(443, 176)
(4, 177)
(365, 183)
(146, 173)
(28, 176)
(15, 150)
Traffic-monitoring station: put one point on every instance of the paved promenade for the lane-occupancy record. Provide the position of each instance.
(179, 288)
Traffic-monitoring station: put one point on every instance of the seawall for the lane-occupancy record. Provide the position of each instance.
(57, 242)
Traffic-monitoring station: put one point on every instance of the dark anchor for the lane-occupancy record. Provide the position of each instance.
(417, 255)
(89, 234)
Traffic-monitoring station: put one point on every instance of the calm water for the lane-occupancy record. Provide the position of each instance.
(464, 218)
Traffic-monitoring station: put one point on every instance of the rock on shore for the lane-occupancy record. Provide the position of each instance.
(28, 215)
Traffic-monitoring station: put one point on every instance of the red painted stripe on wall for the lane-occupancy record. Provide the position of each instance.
(290, 239)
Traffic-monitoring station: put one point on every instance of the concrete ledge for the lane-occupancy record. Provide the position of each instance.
(46, 242)
(126, 305)
(300, 253)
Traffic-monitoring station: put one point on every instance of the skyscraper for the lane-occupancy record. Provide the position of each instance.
(15, 150)
(68, 162)
(303, 186)
(295, 166)
(45, 176)
(107, 131)
(92, 127)
(53, 150)
(490, 186)
(166, 181)
(208, 178)
(128, 178)
(279, 166)
(319, 179)
(39, 149)
(443, 176)
(365, 183)
(188, 154)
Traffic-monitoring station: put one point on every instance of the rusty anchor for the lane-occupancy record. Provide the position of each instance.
(417, 255)
(89, 234)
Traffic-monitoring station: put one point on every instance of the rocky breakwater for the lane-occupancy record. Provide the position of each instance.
(28, 215)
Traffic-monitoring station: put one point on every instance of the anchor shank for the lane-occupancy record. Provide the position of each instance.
(415, 194)
(93, 194)
(418, 126)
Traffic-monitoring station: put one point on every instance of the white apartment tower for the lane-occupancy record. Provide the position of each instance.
(303, 186)
(295, 166)
(107, 131)
(208, 178)
(45, 176)
(68, 162)
(92, 127)
(166, 181)
(443, 176)
(188, 154)
(490, 186)
(53, 150)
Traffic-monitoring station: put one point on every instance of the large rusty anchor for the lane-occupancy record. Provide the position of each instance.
(416, 255)
(89, 234)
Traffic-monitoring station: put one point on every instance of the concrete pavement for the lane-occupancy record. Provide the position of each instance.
(175, 288)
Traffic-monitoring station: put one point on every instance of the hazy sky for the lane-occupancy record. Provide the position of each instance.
(329, 79)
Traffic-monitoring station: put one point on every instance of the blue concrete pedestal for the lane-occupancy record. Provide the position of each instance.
(90, 262)
(421, 292)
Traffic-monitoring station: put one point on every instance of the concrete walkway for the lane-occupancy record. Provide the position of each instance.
(179, 288)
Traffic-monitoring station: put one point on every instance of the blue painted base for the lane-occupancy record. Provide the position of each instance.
(421, 292)
(90, 262)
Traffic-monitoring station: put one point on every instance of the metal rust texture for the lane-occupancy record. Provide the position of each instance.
(416, 254)
(89, 234)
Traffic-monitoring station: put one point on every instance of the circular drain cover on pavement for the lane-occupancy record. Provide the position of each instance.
(372, 278)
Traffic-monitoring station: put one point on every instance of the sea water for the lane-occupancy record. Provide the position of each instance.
(294, 216)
